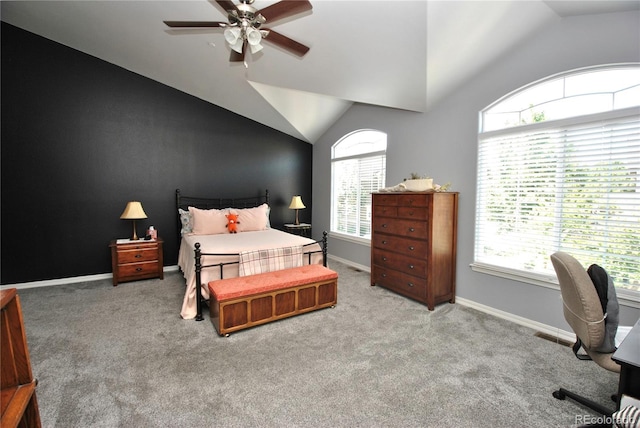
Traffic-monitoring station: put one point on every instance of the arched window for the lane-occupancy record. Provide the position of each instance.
(559, 170)
(358, 167)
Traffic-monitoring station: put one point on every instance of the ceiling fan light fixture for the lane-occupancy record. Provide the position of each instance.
(255, 48)
(233, 36)
(253, 36)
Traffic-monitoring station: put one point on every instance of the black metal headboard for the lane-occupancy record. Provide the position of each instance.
(185, 202)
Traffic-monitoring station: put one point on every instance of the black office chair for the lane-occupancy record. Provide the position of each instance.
(583, 311)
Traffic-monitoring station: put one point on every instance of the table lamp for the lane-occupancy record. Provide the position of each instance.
(133, 211)
(296, 204)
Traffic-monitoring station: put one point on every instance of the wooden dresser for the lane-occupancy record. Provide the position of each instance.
(18, 400)
(413, 244)
(135, 260)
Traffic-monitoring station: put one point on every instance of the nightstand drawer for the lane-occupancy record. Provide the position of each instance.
(136, 256)
(138, 269)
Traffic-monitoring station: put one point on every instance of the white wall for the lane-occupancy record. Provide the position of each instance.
(443, 144)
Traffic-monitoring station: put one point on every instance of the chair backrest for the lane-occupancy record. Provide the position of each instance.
(582, 307)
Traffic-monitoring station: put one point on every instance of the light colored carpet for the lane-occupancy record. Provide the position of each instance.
(121, 357)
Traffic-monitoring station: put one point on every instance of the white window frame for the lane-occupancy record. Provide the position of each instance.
(544, 275)
(356, 158)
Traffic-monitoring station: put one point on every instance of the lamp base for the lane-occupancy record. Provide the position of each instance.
(135, 235)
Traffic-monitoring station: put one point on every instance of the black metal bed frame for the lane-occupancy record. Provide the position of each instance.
(185, 202)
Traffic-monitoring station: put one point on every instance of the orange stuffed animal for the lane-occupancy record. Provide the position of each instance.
(233, 223)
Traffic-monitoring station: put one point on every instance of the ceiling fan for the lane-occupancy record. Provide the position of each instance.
(245, 26)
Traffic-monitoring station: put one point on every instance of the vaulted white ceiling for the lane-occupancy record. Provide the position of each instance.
(399, 54)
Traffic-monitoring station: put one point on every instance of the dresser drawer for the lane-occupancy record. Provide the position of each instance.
(137, 255)
(411, 199)
(410, 247)
(406, 228)
(418, 213)
(400, 262)
(385, 211)
(137, 269)
(399, 282)
(385, 199)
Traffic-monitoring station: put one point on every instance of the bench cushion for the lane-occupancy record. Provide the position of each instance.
(231, 288)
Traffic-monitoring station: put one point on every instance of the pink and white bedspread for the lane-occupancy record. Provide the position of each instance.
(248, 243)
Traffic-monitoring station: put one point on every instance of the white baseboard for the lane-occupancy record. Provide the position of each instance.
(535, 325)
(350, 263)
(72, 280)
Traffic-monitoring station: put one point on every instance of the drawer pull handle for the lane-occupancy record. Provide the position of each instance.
(384, 242)
(410, 284)
(384, 259)
(384, 275)
(384, 225)
(411, 229)
(138, 256)
(138, 269)
(411, 248)
(410, 212)
(410, 266)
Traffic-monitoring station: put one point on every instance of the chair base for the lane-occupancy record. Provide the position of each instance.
(562, 393)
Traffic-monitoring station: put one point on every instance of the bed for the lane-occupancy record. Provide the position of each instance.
(209, 252)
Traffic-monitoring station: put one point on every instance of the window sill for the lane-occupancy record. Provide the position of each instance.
(625, 297)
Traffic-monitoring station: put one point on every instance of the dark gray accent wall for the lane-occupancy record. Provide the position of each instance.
(81, 137)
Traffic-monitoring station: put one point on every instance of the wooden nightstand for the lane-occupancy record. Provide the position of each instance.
(133, 260)
(302, 229)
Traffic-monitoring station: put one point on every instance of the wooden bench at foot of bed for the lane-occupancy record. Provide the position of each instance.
(247, 301)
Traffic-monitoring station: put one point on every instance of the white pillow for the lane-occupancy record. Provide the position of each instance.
(208, 222)
(250, 219)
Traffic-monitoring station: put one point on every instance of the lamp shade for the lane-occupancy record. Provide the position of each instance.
(296, 203)
(133, 211)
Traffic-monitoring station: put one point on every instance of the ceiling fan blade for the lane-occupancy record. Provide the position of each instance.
(227, 5)
(284, 9)
(286, 43)
(238, 57)
(194, 24)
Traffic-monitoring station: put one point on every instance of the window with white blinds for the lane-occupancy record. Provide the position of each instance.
(358, 168)
(568, 185)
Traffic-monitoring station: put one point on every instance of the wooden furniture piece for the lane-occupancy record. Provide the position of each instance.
(133, 260)
(413, 244)
(302, 229)
(247, 301)
(18, 401)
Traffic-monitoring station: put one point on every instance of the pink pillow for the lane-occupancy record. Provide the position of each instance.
(208, 222)
(250, 219)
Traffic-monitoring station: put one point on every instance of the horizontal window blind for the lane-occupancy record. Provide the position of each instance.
(353, 181)
(569, 186)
